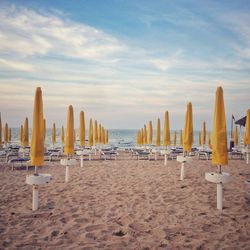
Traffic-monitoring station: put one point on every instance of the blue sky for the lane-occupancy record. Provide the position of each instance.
(124, 62)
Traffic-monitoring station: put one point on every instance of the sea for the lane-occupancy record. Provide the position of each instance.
(117, 137)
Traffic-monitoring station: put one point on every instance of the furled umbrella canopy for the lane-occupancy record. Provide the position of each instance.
(150, 133)
(62, 135)
(100, 134)
(236, 135)
(44, 129)
(37, 139)
(90, 132)
(203, 134)
(158, 133)
(247, 129)
(0, 131)
(96, 132)
(82, 129)
(9, 134)
(106, 137)
(145, 134)
(209, 139)
(6, 133)
(21, 135)
(174, 138)
(53, 137)
(188, 130)
(26, 133)
(219, 137)
(69, 142)
(166, 132)
(199, 138)
(103, 135)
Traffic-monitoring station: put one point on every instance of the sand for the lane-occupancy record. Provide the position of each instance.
(126, 204)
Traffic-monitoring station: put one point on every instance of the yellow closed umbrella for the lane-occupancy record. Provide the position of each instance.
(82, 129)
(150, 133)
(188, 130)
(174, 138)
(145, 135)
(9, 134)
(203, 134)
(247, 129)
(166, 132)
(219, 137)
(106, 137)
(21, 135)
(69, 142)
(53, 138)
(74, 136)
(26, 133)
(181, 138)
(62, 135)
(236, 135)
(37, 139)
(96, 132)
(199, 138)
(0, 131)
(90, 133)
(158, 133)
(44, 128)
(6, 134)
(100, 134)
(103, 135)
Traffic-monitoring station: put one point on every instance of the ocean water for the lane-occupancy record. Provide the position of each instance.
(117, 137)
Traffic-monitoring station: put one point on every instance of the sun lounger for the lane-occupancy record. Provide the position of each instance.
(143, 155)
(17, 162)
(111, 154)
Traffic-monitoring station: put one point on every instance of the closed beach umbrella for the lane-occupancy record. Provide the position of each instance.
(96, 132)
(62, 135)
(145, 134)
(69, 142)
(74, 136)
(150, 133)
(90, 132)
(247, 129)
(100, 134)
(44, 129)
(0, 131)
(219, 137)
(53, 138)
(236, 135)
(21, 135)
(158, 133)
(37, 138)
(82, 129)
(106, 137)
(6, 133)
(166, 132)
(142, 136)
(9, 134)
(103, 135)
(174, 138)
(181, 138)
(203, 134)
(26, 133)
(188, 131)
(199, 138)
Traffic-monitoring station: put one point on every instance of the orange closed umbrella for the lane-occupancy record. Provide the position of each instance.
(6, 134)
(53, 134)
(100, 134)
(96, 132)
(235, 136)
(37, 139)
(26, 133)
(188, 130)
(9, 134)
(82, 129)
(247, 129)
(150, 133)
(203, 134)
(166, 132)
(145, 135)
(199, 138)
(69, 142)
(62, 135)
(158, 133)
(219, 137)
(90, 133)
(106, 137)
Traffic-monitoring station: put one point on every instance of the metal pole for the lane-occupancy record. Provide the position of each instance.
(35, 202)
(182, 171)
(219, 191)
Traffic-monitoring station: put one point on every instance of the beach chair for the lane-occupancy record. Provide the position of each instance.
(108, 154)
(19, 162)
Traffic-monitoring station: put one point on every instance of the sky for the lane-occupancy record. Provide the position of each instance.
(124, 62)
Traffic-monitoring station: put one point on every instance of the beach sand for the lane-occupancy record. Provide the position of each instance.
(126, 204)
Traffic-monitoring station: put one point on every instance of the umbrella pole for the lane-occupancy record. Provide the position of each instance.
(182, 171)
(82, 160)
(165, 159)
(36, 170)
(67, 171)
(35, 202)
(219, 191)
